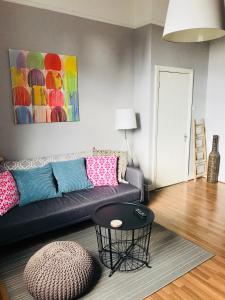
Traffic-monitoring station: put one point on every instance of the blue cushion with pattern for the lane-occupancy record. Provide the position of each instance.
(35, 184)
(71, 175)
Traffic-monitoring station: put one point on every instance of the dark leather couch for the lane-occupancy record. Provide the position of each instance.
(47, 215)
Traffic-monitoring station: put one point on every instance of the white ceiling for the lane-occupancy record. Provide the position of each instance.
(149, 12)
(129, 13)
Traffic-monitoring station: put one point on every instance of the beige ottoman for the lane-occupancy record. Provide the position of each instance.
(59, 271)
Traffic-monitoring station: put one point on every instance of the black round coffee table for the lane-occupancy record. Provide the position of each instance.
(125, 248)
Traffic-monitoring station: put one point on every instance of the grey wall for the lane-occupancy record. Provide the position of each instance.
(193, 56)
(115, 69)
(105, 70)
(142, 96)
(215, 109)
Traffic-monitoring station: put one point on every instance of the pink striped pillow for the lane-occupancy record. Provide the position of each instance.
(102, 170)
(9, 196)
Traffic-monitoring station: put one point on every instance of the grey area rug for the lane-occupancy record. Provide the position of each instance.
(171, 257)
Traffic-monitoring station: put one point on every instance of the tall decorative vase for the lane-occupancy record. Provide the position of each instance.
(214, 161)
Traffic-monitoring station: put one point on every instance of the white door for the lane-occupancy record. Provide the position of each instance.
(174, 102)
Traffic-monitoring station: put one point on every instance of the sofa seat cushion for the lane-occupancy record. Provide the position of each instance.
(50, 214)
(87, 200)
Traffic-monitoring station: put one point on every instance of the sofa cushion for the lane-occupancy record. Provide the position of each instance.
(71, 175)
(9, 196)
(122, 161)
(35, 184)
(101, 170)
(42, 216)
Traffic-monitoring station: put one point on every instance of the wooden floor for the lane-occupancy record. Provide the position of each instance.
(3, 292)
(196, 211)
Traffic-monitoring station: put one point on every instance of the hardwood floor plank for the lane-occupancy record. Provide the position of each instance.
(184, 294)
(3, 292)
(196, 211)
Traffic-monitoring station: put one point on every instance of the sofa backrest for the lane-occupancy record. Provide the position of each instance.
(40, 162)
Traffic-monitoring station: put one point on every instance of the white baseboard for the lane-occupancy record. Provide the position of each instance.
(151, 187)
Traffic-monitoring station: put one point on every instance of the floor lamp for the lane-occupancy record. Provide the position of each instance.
(126, 120)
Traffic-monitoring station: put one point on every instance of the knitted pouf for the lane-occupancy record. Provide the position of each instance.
(59, 271)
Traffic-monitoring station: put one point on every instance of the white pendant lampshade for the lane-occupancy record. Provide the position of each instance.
(125, 119)
(194, 20)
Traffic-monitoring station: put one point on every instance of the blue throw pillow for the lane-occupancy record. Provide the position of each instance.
(35, 184)
(71, 175)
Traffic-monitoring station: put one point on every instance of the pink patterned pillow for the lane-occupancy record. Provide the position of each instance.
(101, 170)
(9, 196)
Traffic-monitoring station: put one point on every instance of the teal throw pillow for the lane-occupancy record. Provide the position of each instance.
(35, 184)
(71, 175)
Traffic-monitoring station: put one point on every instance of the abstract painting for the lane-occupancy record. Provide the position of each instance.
(44, 87)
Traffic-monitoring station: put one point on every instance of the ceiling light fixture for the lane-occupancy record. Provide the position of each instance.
(194, 20)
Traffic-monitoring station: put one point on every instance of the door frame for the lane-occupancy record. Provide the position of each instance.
(158, 69)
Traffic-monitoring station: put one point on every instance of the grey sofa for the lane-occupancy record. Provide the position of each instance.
(47, 215)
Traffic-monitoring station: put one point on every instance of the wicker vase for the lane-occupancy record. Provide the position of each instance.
(214, 161)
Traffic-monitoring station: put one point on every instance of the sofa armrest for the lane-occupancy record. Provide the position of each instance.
(136, 177)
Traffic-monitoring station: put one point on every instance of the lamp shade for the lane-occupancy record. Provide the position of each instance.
(194, 20)
(125, 118)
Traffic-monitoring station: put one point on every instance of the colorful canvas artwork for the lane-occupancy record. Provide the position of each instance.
(44, 87)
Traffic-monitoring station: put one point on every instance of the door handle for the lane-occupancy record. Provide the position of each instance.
(185, 137)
